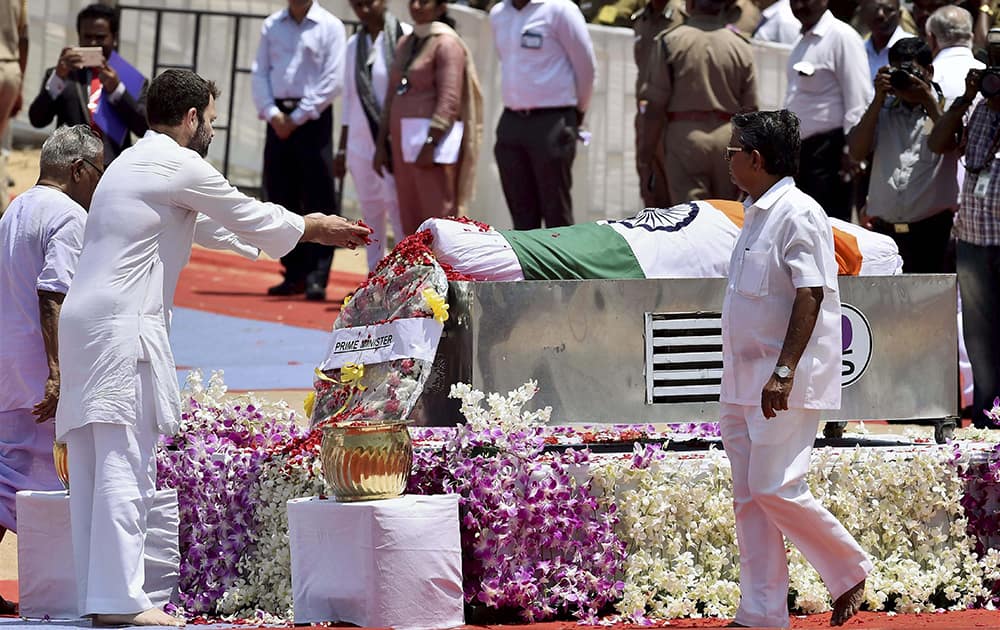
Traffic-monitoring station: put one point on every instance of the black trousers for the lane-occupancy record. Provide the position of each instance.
(534, 153)
(298, 174)
(924, 247)
(819, 173)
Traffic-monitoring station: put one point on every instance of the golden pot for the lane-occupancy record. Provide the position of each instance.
(62, 462)
(366, 462)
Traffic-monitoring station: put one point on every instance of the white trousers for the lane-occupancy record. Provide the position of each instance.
(379, 204)
(769, 460)
(112, 472)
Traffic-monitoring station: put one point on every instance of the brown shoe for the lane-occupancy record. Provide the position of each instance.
(848, 604)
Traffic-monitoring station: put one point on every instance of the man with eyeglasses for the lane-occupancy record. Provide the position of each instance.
(40, 238)
(781, 347)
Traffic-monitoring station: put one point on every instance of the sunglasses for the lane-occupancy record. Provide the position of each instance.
(100, 171)
(731, 151)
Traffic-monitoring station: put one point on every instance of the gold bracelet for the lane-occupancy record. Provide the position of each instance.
(987, 9)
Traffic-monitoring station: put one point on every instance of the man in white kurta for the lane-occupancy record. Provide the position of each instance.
(368, 81)
(781, 348)
(40, 238)
(119, 385)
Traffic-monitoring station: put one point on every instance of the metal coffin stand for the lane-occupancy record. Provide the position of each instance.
(641, 351)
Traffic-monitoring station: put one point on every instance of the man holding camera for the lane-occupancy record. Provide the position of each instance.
(94, 87)
(977, 226)
(913, 192)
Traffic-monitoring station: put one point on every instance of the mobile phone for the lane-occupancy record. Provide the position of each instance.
(90, 55)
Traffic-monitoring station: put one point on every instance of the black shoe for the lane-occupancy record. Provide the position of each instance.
(315, 292)
(7, 608)
(287, 288)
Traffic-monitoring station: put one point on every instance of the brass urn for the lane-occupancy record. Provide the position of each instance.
(62, 462)
(366, 461)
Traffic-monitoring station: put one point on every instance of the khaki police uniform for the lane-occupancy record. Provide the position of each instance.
(647, 23)
(700, 74)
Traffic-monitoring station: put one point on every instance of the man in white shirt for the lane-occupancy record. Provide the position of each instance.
(778, 24)
(119, 383)
(40, 236)
(296, 75)
(949, 34)
(882, 19)
(547, 68)
(781, 348)
(828, 89)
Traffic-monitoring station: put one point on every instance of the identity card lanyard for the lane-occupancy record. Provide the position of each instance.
(415, 48)
(982, 172)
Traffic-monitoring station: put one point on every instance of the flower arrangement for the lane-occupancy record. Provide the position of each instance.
(570, 534)
(406, 284)
(213, 463)
(535, 539)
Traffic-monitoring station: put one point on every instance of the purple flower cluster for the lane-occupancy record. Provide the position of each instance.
(534, 538)
(213, 463)
(981, 500)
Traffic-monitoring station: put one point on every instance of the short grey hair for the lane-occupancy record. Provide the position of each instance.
(951, 26)
(68, 144)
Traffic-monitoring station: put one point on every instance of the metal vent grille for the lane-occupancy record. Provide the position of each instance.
(683, 357)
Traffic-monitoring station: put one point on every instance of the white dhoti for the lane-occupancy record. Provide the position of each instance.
(25, 460)
(769, 460)
(112, 471)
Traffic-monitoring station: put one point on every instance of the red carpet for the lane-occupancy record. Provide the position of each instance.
(221, 282)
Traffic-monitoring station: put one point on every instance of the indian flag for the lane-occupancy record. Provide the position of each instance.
(691, 240)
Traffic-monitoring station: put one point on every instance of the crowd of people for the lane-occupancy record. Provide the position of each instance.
(900, 129)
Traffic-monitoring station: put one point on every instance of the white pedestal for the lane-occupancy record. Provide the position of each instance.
(46, 577)
(390, 563)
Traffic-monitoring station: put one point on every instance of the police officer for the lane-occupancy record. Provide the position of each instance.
(655, 17)
(700, 74)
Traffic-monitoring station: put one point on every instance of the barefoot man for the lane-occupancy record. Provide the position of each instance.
(781, 366)
(119, 385)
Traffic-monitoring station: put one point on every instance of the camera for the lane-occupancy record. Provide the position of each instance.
(989, 81)
(903, 76)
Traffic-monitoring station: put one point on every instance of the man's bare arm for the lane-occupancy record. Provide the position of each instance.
(805, 312)
(49, 306)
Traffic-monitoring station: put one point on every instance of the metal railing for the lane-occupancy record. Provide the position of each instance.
(235, 23)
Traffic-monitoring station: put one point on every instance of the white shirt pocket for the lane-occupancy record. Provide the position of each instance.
(752, 280)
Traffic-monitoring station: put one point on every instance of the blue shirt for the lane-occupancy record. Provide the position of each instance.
(299, 61)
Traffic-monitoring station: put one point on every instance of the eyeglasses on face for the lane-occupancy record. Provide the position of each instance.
(731, 151)
(100, 171)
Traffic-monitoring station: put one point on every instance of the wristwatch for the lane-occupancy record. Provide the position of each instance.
(986, 8)
(783, 371)
(429, 140)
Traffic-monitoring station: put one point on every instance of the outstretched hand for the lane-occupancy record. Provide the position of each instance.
(334, 230)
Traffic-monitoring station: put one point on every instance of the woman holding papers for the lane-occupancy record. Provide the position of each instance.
(431, 118)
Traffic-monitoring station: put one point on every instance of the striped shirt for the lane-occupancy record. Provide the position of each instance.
(978, 220)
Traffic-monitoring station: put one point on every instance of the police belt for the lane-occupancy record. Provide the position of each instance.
(538, 111)
(705, 116)
(287, 105)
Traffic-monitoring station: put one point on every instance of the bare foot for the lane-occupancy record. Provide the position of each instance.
(151, 617)
(848, 604)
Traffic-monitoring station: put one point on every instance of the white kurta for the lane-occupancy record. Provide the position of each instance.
(138, 238)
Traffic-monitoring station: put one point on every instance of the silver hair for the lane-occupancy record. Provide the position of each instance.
(67, 144)
(951, 26)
